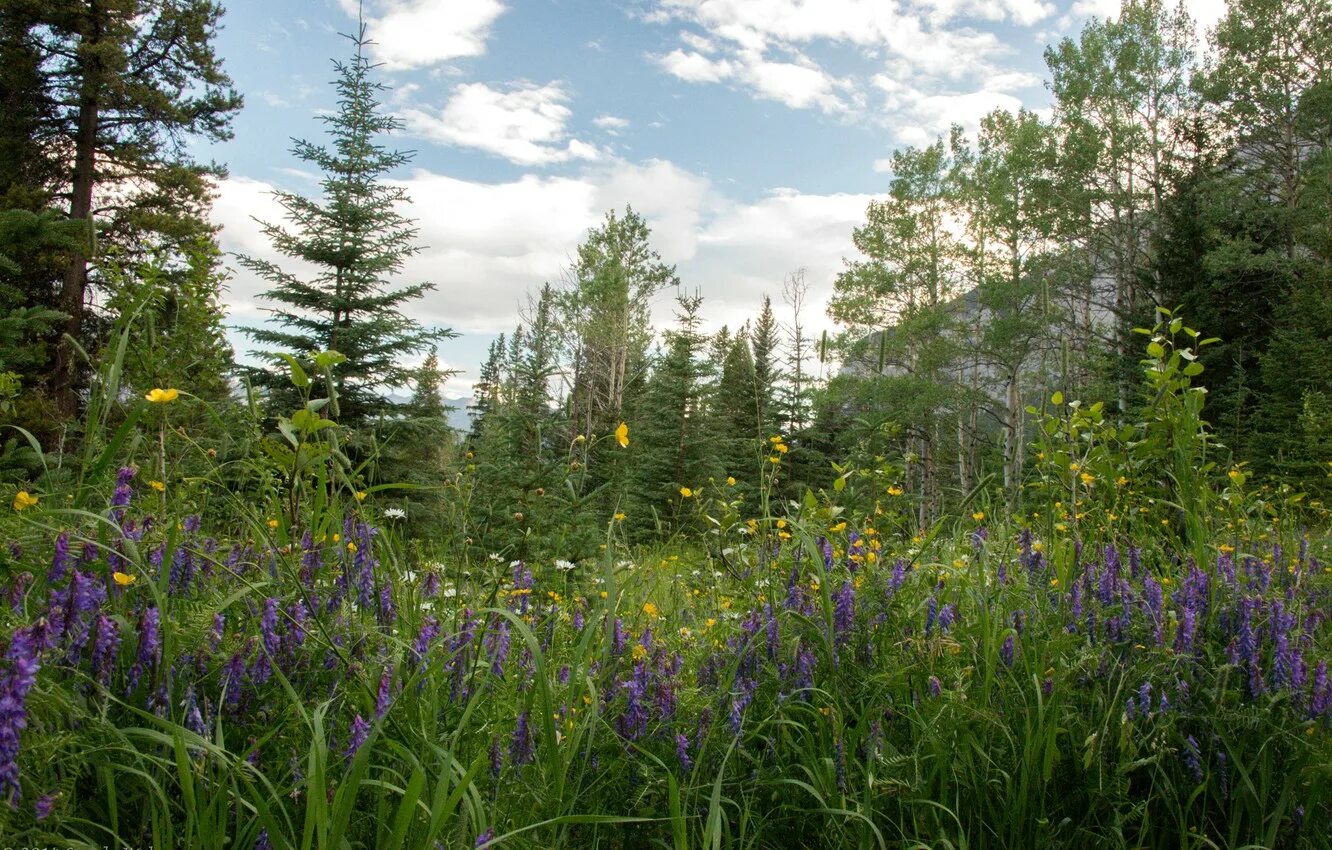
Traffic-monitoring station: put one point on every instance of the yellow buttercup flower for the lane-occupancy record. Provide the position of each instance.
(619, 516)
(360, 495)
(123, 579)
(841, 526)
(730, 480)
(622, 435)
(272, 523)
(24, 500)
(686, 492)
(894, 491)
(351, 547)
(157, 395)
(651, 610)
(158, 486)
(1088, 478)
(978, 516)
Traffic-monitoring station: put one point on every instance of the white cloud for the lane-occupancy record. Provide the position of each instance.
(524, 124)
(419, 33)
(612, 124)
(695, 67)
(924, 117)
(488, 245)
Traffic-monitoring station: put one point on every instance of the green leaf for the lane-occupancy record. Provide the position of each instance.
(1155, 350)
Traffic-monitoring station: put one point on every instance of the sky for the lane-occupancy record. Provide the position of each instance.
(751, 134)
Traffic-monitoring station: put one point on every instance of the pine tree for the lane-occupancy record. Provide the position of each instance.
(123, 85)
(674, 446)
(767, 366)
(358, 241)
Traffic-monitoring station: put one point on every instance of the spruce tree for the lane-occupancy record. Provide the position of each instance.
(767, 366)
(357, 241)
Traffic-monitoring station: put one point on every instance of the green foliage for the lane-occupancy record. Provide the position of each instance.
(357, 241)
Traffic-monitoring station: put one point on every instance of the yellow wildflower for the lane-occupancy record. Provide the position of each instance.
(360, 495)
(895, 491)
(730, 480)
(161, 396)
(775, 438)
(638, 652)
(272, 523)
(841, 526)
(619, 516)
(686, 493)
(1087, 478)
(123, 579)
(978, 516)
(622, 435)
(651, 610)
(351, 547)
(24, 500)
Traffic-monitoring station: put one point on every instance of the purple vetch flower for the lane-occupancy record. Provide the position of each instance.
(803, 669)
(1188, 627)
(388, 611)
(150, 647)
(682, 752)
(844, 612)
(826, 548)
(430, 585)
(425, 637)
(60, 559)
(1047, 687)
(497, 643)
(520, 748)
(106, 647)
(385, 696)
(774, 638)
(20, 675)
(1193, 759)
(86, 595)
(947, 616)
(233, 675)
(485, 838)
(298, 617)
(496, 758)
(1320, 701)
(17, 588)
(931, 614)
(122, 494)
(1006, 651)
(578, 619)
(356, 736)
(193, 716)
(1163, 705)
(215, 634)
(899, 575)
(44, 806)
(617, 637)
(978, 538)
(839, 763)
(263, 842)
(1145, 699)
(936, 687)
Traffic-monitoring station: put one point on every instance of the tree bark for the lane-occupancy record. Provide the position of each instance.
(74, 287)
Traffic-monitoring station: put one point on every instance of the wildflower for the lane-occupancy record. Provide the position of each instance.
(384, 698)
(651, 610)
(150, 646)
(622, 435)
(520, 748)
(24, 500)
(360, 730)
(682, 751)
(42, 808)
(485, 838)
(1087, 478)
(158, 486)
(895, 491)
(123, 579)
(936, 687)
(619, 516)
(730, 480)
(15, 684)
(161, 396)
(686, 493)
(978, 516)
(1006, 651)
(1192, 760)
(394, 513)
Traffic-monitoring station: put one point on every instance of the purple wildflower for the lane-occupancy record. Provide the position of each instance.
(520, 748)
(150, 647)
(682, 752)
(1006, 651)
(1192, 758)
(15, 683)
(43, 807)
(385, 696)
(105, 649)
(844, 612)
(360, 730)
(936, 687)
(485, 838)
(60, 559)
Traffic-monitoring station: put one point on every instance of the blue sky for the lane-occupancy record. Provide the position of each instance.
(750, 133)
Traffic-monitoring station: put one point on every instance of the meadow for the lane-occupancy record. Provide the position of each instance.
(1109, 666)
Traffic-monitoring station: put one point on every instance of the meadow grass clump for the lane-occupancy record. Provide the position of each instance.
(184, 667)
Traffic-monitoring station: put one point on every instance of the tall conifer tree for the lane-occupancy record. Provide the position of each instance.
(358, 241)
